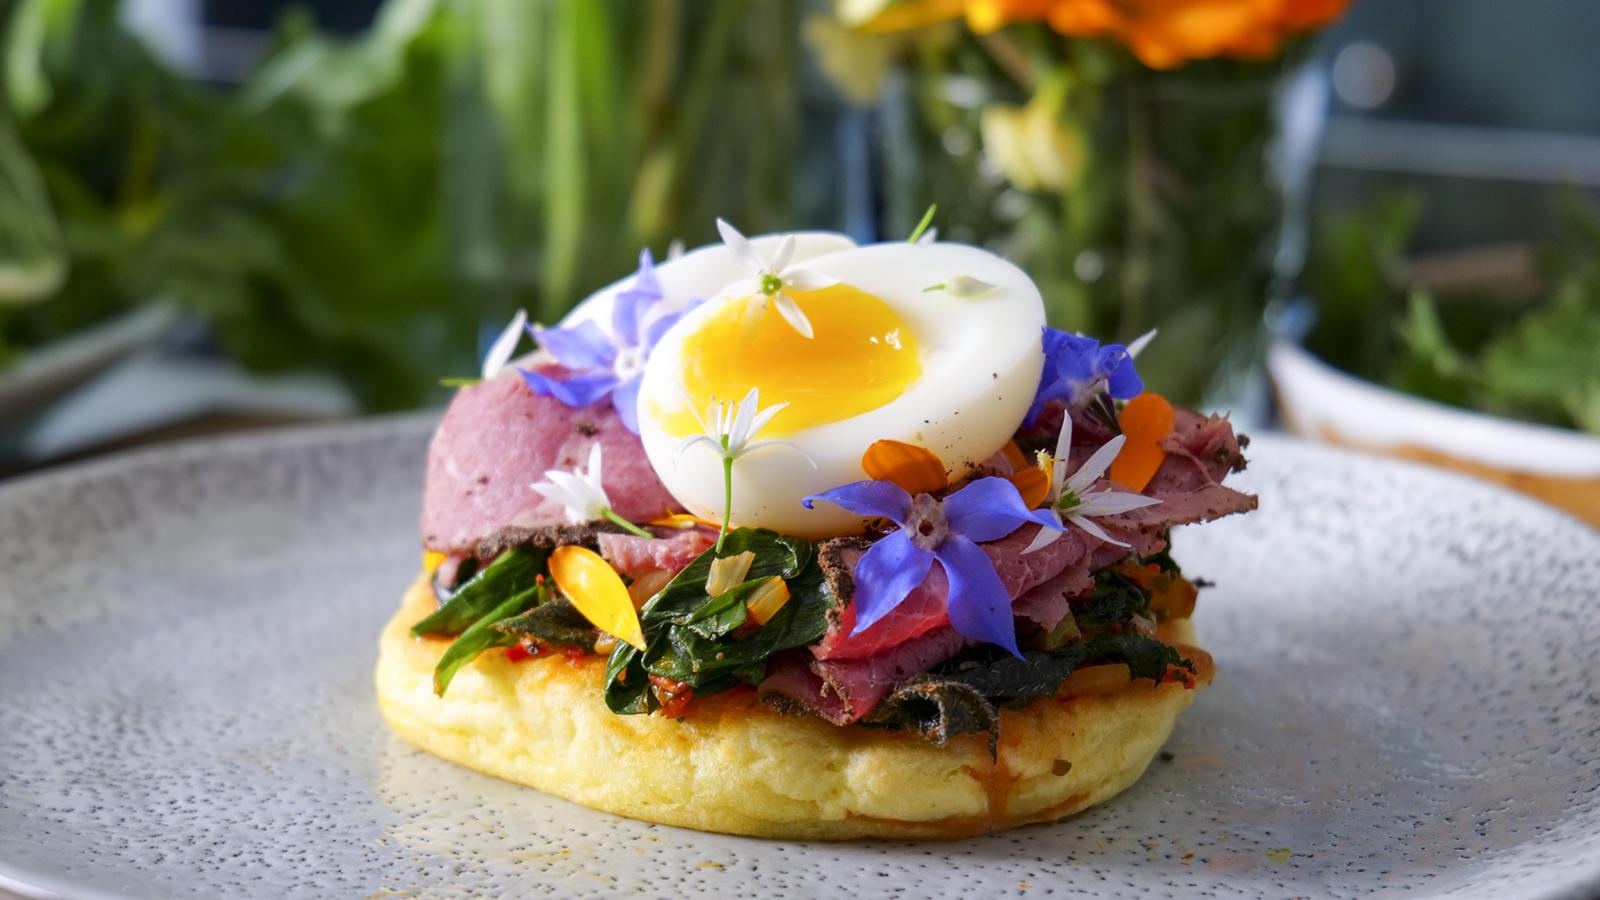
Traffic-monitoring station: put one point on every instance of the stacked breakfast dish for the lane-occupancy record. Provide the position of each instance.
(796, 538)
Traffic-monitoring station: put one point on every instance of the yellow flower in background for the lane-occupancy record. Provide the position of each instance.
(1031, 145)
(1032, 149)
(855, 62)
(1164, 34)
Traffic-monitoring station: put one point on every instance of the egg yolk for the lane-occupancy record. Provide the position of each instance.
(860, 357)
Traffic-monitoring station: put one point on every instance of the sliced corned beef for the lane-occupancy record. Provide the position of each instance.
(633, 555)
(1046, 604)
(844, 690)
(496, 441)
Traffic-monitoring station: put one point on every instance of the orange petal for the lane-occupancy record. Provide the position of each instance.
(1146, 420)
(683, 521)
(917, 14)
(916, 470)
(597, 591)
(1013, 455)
(1147, 416)
(1033, 483)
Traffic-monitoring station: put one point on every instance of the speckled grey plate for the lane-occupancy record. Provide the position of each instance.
(1407, 701)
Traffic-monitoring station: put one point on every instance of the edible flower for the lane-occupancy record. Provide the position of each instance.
(1077, 367)
(775, 279)
(1073, 497)
(916, 470)
(963, 286)
(727, 430)
(494, 362)
(583, 495)
(597, 591)
(949, 531)
(506, 344)
(1137, 345)
(1146, 420)
(607, 364)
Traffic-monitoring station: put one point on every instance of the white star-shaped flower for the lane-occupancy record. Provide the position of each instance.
(773, 279)
(583, 495)
(1073, 497)
(728, 429)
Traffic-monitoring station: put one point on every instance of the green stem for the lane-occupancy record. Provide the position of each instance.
(628, 526)
(727, 494)
(927, 219)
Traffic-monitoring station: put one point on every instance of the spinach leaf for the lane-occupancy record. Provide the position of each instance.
(701, 640)
(555, 622)
(627, 687)
(1116, 600)
(1146, 657)
(482, 635)
(683, 596)
(724, 612)
(938, 709)
(1008, 679)
(961, 695)
(513, 573)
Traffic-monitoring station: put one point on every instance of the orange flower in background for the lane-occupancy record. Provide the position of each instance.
(1164, 34)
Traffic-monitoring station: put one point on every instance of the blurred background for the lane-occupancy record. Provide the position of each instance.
(1372, 223)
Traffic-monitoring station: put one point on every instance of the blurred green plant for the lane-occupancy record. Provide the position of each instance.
(366, 206)
(1135, 198)
(1535, 359)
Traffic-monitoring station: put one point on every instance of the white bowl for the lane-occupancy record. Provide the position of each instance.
(1557, 465)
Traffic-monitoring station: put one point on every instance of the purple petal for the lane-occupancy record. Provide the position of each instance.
(979, 606)
(991, 508)
(627, 311)
(1121, 377)
(1073, 363)
(885, 574)
(583, 346)
(868, 498)
(576, 391)
(654, 331)
(626, 399)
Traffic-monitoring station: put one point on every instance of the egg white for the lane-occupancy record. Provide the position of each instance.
(980, 356)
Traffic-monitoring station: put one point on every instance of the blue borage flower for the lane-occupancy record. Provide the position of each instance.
(1076, 367)
(949, 531)
(604, 364)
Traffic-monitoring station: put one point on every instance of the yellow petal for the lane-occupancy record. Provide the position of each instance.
(727, 571)
(767, 599)
(915, 470)
(431, 561)
(597, 591)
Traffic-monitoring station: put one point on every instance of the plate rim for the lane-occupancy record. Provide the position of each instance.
(33, 884)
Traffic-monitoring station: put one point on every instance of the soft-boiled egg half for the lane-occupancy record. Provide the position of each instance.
(936, 345)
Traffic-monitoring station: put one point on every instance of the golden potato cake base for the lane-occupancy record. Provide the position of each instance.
(737, 766)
